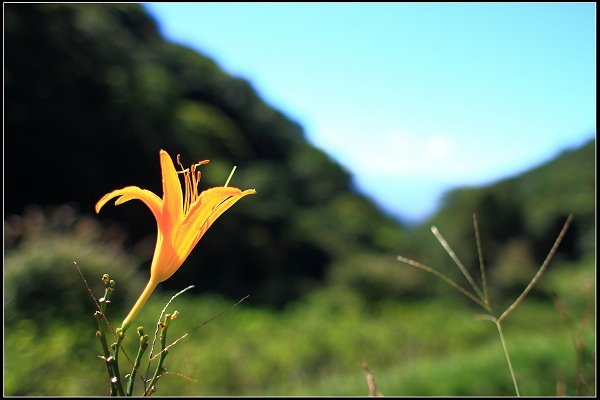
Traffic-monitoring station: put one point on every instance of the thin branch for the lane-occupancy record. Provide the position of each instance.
(486, 298)
(540, 271)
(101, 334)
(102, 314)
(187, 378)
(459, 264)
(512, 372)
(444, 278)
(198, 327)
(373, 392)
(87, 286)
(157, 326)
(161, 315)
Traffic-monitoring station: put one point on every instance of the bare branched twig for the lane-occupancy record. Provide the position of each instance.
(156, 333)
(483, 299)
(486, 298)
(457, 261)
(160, 317)
(99, 308)
(87, 286)
(198, 327)
(373, 392)
(540, 271)
(444, 278)
(187, 378)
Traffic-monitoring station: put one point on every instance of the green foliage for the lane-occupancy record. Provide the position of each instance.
(56, 361)
(41, 280)
(519, 219)
(376, 278)
(94, 92)
(316, 346)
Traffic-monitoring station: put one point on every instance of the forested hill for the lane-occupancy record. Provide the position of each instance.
(92, 92)
(521, 216)
(519, 219)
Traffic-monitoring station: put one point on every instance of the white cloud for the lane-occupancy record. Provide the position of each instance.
(397, 153)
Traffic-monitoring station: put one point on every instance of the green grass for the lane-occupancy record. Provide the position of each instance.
(316, 347)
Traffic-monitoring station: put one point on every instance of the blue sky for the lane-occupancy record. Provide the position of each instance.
(413, 98)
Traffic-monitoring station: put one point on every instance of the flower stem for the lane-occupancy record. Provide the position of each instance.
(139, 304)
(101, 334)
(512, 372)
(138, 358)
(163, 351)
(100, 316)
(115, 348)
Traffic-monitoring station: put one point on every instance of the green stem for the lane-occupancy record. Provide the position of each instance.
(163, 351)
(512, 372)
(101, 334)
(115, 347)
(139, 304)
(138, 358)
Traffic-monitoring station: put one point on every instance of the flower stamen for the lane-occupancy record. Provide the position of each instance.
(192, 179)
(230, 175)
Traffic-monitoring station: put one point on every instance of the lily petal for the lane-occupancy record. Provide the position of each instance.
(212, 203)
(153, 202)
(224, 206)
(203, 207)
(172, 194)
(166, 260)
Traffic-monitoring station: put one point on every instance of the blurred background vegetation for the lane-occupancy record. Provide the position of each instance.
(92, 92)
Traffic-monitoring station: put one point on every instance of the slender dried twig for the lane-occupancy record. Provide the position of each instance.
(444, 278)
(198, 327)
(87, 286)
(156, 331)
(98, 307)
(486, 298)
(187, 378)
(507, 355)
(373, 392)
(457, 261)
(161, 315)
(540, 271)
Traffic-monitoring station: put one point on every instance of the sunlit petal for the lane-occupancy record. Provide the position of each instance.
(172, 193)
(194, 235)
(166, 259)
(201, 210)
(151, 200)
(225, 205)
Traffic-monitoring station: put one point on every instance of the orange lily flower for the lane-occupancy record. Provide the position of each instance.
(182, 221)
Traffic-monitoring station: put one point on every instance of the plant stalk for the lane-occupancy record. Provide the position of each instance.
(512, 372)
(138, 358)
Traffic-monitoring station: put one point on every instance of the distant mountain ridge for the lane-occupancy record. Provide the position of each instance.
(92, 92)
(532, 206)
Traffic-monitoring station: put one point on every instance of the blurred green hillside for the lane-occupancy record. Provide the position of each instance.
(93, 92)
(519, 219)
